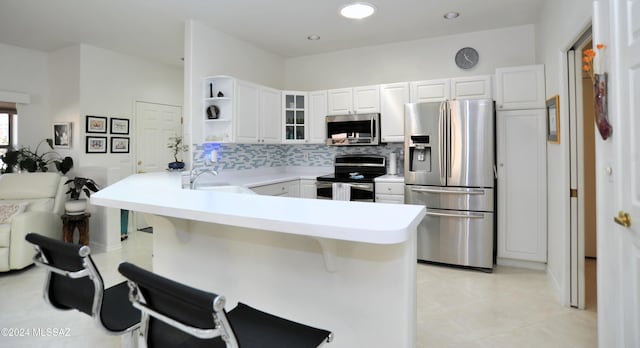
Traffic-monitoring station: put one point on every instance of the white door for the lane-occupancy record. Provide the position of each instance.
(155, 123)
(522, 185)
(619, 246)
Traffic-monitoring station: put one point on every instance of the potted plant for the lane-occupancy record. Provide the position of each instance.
(176, 145)
(31, 161)
(77, 186)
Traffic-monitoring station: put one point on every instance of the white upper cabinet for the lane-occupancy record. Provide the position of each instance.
(474, 87)
(521, 87)
(430, 91)
(393, 96)
(366, 99)
(317, 106)
(361, 100)
(247, 111)
(270, 116)
(258, 115)
(340, 101)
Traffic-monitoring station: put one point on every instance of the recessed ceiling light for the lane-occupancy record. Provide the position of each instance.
(357, 10)
(451, 15)
(313, 37)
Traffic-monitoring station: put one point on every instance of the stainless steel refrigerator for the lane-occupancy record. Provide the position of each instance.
(450, 169)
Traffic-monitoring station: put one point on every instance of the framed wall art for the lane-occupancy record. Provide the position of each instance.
(62, 135)
(96, 124)
(119, 145)
(96, 144)
(119, 126)
(553, 120)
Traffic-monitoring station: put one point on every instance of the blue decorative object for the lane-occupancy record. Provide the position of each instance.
(176, 165)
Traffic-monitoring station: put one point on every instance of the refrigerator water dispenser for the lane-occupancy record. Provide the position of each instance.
(420, 154)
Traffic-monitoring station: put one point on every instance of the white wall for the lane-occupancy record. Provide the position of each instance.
(64, 91)
(560, 24)
(25, 71)
(110, 84)
(411, 60)
(210, 52)
(88, 80)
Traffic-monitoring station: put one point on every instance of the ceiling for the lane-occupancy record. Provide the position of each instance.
(155, 28)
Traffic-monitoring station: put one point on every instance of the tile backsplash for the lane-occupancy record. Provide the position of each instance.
(252, 156)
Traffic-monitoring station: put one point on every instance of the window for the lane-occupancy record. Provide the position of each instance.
(7, 115)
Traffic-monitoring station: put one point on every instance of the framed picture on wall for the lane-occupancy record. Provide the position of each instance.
(96, 124)
(553, 120)
(119, 126)
(62, 135)
(119, 145)
(96, 144)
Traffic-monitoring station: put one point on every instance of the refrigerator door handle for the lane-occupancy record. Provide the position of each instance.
(464, 216)
(429, 190)
(450, 141)
(441, 137)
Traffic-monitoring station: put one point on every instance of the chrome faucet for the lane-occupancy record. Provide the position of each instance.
(197, 172)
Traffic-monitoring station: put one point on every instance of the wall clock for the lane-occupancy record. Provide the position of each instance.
(467, 58)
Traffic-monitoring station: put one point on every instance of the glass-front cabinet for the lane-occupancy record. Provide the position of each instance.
(295, 117)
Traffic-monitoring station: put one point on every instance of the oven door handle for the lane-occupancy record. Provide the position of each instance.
(468, 192)
(464, 216)
(362, 186)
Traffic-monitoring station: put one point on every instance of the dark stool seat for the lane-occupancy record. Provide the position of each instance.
(176, 315)
(73, 282)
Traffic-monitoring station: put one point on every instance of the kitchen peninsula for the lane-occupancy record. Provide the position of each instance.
(347, 267)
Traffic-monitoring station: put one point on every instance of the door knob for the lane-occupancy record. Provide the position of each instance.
(623, 219)
(139, 162)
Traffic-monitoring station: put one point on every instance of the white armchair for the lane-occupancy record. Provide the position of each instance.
(31, 202)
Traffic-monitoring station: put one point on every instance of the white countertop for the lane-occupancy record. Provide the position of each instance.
(161, 194)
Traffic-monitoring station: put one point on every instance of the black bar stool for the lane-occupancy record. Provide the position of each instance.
(176, 315)
(73, 282)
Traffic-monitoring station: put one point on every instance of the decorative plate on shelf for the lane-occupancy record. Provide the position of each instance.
(213, 112)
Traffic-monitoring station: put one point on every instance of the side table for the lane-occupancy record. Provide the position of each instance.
(69, 225)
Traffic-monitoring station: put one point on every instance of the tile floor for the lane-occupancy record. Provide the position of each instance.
(456, 308)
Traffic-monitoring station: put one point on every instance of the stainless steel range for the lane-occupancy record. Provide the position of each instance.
(353, 178)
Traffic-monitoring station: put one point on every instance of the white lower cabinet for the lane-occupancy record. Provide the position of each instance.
(284, 189)
(308, 188)
(522, 185)
(390, 192)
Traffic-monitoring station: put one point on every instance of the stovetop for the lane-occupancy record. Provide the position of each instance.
(368, 178)
(356, 168)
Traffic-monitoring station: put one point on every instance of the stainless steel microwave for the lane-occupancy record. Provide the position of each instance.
(353, 129)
